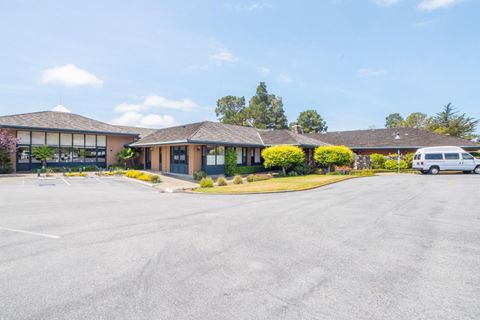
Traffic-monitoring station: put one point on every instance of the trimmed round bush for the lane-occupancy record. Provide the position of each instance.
(285, 157)
(221, 181)
(237, 180)
(199, 175)
(329, 156)
(251, 178)
(206, 182)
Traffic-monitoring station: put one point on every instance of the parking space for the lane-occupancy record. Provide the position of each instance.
(390, 247)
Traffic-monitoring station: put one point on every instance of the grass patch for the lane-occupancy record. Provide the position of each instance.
(277, 184)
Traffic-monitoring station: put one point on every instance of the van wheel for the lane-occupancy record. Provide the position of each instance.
(477, 170)
(434, 170)
(423, 172)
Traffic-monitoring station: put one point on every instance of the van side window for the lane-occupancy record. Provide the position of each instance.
(467, 156)
(433, 156)
(452, 156)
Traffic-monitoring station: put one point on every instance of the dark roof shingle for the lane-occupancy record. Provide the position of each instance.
(219, 133)
(386, 138)
(54, 120)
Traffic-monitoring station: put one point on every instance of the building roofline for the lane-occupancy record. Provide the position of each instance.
(112, 133)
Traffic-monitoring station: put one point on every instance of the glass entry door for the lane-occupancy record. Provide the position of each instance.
(179, 159)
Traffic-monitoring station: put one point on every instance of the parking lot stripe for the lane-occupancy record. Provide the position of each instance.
(51, 236)
(100, 180)
(66, 182)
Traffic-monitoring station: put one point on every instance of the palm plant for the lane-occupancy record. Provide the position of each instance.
(42, 153)
(125, 155)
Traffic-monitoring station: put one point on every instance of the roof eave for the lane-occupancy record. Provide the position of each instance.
(69, 130)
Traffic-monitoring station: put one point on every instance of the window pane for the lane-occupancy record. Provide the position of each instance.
(210, 155)
(90, 140)
(23, 154)
(239, 155)
(23, 137)
(56, 155)
(220, 155)
(38, 138)
(452, 156)
(52, 138)
(467, 156)
(101, 141)
(101, 154)
(257, 155)
(66, 154)
(434, 156)
(90, 155)
(78, 154)
(66, 139)
(78, 140)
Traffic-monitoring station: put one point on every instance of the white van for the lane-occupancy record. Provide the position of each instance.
(435, 159)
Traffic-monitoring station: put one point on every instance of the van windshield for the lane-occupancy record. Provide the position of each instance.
(467, 156)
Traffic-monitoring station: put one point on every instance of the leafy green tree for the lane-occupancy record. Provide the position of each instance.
(311, 121)
(231, 110)
(125, 155)
(265, 110)
(416, 120)
(285, 157)
(451, 123)
(329, 156)
(394, 120)
(42, 153)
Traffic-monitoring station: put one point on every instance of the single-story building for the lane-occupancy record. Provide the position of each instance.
(76, 140)
(199, 146)
(391, 141)
(185, 149)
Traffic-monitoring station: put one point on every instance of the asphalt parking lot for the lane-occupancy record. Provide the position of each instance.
(391, 247)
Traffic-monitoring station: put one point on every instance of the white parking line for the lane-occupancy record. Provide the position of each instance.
(100, 180)
(66, 182)
(51, 236)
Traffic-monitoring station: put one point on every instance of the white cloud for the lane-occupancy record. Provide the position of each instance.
(368, 73)
(157, 102)
(285, 78)
(61, 108)
(430, 5)
(70, 75)
(250, 7)
(386, 3)
(264, 70)
(222, 55)
(151, 120)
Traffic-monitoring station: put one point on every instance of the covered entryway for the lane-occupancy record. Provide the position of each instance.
(179, 159)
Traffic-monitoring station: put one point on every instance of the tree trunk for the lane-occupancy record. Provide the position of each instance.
(284, 171)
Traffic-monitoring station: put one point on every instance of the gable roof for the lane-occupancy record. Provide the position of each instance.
(219, 133)
(62, 121)
(410, 138)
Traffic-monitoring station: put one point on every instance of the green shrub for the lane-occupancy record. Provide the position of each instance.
(199, 175)
(475, 154)
(221, 181)
(206, 183)
(292, 173)
(304, 169)
(329, 156)
(237, 180)
(319, 171)
(362, 173)
(5, 162)
(378, 161)
(409, 159)
(230, 161)
(393, 165)
(133, 174)
(251, 178)
(285, 157)
(249, 169)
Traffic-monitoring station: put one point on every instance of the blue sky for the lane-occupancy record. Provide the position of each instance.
(158, 63)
